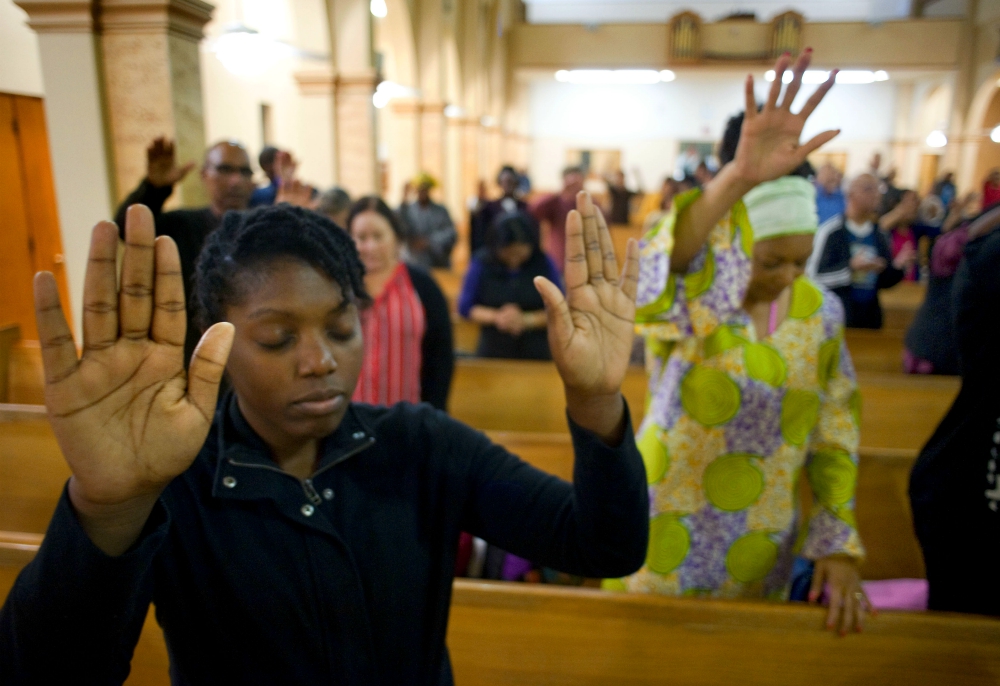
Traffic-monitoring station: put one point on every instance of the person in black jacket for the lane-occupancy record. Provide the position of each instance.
(853, 258)
(228, 180)
(410, 355)
(954, 486)
(297, 537)
(499, 291)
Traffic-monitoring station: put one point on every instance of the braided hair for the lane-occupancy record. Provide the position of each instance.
(248, 242)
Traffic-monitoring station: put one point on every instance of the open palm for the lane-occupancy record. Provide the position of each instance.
(769, 141)
(127, 417)
(591, 329)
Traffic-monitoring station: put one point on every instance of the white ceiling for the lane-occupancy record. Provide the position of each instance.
(649, 11)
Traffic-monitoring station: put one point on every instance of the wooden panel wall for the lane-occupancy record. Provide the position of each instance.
(30, 239)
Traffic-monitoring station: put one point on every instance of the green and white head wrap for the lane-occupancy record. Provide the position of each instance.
(783, 207)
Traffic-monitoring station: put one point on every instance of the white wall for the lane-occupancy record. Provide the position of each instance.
(647, 122)
(302, 125)
(20, 67)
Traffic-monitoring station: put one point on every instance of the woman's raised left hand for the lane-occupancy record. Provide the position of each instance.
(591, 329)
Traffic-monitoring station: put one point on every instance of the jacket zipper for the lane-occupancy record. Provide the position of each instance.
(307, 485)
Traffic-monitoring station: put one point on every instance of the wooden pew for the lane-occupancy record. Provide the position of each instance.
(876, 351)
(524, 634)
(9, 335)
(898, 411)
(504, 633)
(900, 304)
(882, 502)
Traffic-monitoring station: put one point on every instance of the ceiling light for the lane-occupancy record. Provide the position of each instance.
(388, 90)
(816, 76)
(454, 111)
(614, 76)
(937, 139)
(995, 134)
(245, 52)
(378, 8)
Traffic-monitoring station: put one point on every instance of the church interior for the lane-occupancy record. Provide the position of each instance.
(463, 131)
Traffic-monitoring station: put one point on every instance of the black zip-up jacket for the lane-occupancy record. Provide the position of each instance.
(344, 578)
(830, 266)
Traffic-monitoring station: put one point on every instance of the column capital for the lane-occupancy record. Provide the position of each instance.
(183, 18)
(59, 16)
(360, 79)
(405, 106)
(316, 81)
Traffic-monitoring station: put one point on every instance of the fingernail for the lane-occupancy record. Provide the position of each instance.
(786, 53)
(809, 49)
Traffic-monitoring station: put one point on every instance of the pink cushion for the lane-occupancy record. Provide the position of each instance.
(897, 594)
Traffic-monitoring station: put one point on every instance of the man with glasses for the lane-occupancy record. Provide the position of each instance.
(227, 176)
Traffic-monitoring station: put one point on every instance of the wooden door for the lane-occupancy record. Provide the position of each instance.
(928, 173)
(30, 239)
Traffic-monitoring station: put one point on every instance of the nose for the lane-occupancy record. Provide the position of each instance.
(315, 356)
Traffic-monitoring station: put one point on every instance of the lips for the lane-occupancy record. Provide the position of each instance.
(320, 403)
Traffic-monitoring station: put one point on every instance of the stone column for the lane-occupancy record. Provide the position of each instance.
(355, 125)
(404, 150)
(317, 118)
(471, 173)
(432, 142)
(152, 85)
(81, 165)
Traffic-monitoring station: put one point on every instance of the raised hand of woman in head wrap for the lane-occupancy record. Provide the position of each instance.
(769, 148)
(591, 328)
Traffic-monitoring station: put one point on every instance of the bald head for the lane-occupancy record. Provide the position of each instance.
(863, 197)
(228, 177)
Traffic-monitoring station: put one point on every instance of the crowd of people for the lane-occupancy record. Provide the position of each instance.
(307, 523)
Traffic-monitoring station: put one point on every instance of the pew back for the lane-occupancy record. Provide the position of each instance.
(898, 411)
(517, 634)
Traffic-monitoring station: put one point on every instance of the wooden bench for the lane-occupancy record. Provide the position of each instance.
(506, 633)
(882, 501)
(876, 351)
(521, 634)
(898, 411)
(9, 335)
(900, 304)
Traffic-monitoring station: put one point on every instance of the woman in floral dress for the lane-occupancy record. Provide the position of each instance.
(751, 385)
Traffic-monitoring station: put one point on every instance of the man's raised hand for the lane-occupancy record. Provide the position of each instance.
(161, 164)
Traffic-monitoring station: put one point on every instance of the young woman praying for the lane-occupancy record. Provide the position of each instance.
(291, 535)
(752, 387)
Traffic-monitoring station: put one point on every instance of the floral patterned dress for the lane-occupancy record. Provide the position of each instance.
(732, 421)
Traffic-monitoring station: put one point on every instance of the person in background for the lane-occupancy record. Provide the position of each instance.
(488, 211)
(891, 194)
(655, 205)
(991, 189)
(409, 355)
(853, 258)
(620, 198)
(896, 225)
(499, 291)
(266, 195)
(751, 384)
(954, 485)
(702, 174)
(228, 181)
(551, 212)
(829, 196)
(335, 203)
(431, 234)
(945, 189)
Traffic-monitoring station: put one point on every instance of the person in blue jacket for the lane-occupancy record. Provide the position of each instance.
(290, 535)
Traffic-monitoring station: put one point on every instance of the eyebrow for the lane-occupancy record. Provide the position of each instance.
(270, 311)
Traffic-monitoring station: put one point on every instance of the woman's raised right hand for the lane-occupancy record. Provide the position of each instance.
(126, 415)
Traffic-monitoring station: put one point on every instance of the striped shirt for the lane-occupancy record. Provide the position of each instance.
(393, 329)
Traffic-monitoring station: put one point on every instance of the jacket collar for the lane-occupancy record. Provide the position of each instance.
(241, 448)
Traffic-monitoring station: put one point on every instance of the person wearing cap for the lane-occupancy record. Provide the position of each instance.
(431, 233)
(751, 384)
